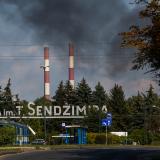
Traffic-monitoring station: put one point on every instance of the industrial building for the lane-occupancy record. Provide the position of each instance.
(46, 69)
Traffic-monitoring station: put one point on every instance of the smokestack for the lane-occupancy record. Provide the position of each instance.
(46, 74)
(71, 64)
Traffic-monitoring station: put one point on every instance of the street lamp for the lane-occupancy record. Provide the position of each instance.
(45, 129)
(154, 106)
(44, 68)
(148, 122)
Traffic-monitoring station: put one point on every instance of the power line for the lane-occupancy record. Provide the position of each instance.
(64, 56)
(18, 43)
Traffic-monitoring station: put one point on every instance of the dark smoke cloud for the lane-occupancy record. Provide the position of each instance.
(121, 58)
(93, 25)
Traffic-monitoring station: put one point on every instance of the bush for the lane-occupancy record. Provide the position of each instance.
(141, 136)
(96, 138)
(100, 139)
(91, 137)
(113, 139)
(156, 139)
(7, 135)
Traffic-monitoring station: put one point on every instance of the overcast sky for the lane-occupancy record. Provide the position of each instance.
(93, 26)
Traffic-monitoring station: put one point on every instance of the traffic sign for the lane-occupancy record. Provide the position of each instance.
(63, 124)
(106, 122)
(109, 122)
(109, 115)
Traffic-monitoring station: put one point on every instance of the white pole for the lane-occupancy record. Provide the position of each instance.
(106, 136)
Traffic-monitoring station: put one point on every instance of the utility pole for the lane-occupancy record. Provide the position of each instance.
(45, 128)
(106, 136)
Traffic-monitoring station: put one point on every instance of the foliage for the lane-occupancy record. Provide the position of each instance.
(136, 115)
(117, 105)
(141, 136)
(99, 95)
(92, 120)
(146, 38)
(70, 94)
(91, 137)
(114, 139)
(7, 135)
(7, 100)
(100, 139)
(99, 99)
(83, 94)
(156, 139)
(60, 96)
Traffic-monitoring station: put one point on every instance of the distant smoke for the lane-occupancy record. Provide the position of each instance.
(93, 25)
(121, 58)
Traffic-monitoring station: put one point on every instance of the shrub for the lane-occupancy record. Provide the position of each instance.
(113, 139)
(96, 138)
(100, 139)
(7, 135)
(91, 137)
(141, 136)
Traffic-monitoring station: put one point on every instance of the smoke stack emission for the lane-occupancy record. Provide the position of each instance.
(71, 64)
(46, 74)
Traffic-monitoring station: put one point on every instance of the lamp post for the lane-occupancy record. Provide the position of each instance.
(147, 125)
(45, 129)
(157, 108)
(154, 106)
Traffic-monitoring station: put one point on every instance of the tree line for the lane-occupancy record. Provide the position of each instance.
(138, 114)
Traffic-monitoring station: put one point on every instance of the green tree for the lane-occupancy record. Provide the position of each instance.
(8, 101)
(70, 95)
(136, 112)
(1, 99)
(99, 99)
(64, 95)
(42, 125)
(99, 95)
(139, 136)
(84, 98)
(83, 94)
(7, 96)
(146, 38)
(117, 105)
(92, 120)
(7, 135)
(151, 117)
(60, 96)
(143, 114)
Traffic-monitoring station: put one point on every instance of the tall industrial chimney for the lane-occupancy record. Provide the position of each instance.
(71, 64)
(46, 74)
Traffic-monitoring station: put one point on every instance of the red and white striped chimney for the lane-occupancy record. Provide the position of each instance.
(71, 64)
(46, 73)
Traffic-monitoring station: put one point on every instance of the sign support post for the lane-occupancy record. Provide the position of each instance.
(107, 122)
(106, 136)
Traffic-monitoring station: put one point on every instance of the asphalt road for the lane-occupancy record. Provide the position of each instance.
(88, 154)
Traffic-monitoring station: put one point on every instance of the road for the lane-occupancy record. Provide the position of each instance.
(88, 154)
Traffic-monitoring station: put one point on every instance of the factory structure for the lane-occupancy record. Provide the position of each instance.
(46, 69)
(46, 73)
(75, 134)
(71, 64)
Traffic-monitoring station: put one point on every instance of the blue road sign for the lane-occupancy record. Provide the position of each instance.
(109, 115)
(106, 122)
(109, 122)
